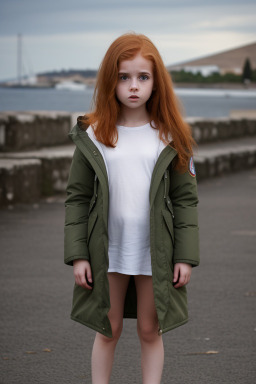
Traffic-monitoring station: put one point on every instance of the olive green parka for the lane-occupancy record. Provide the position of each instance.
(173, 235)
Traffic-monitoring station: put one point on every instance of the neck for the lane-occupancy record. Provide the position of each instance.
(132, 118)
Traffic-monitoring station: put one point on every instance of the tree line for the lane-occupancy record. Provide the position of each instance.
(248, 75)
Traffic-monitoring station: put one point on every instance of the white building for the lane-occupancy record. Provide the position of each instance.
(205, 70)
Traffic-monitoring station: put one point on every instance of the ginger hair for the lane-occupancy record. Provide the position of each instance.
(163, 106)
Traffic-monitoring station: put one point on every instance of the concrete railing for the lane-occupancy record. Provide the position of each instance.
(36, 153)
(21, 131)
(211, 130)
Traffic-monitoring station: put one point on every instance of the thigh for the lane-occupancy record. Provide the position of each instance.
(118, 284)
(146, 311)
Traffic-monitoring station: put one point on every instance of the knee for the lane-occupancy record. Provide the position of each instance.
(148, 331)
(116, 330)
(116, 333)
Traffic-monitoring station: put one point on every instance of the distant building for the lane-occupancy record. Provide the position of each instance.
(205, 70)
(24, 81)
(230, 61)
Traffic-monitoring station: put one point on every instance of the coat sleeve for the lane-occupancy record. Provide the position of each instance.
(184, 197)
(79, 193)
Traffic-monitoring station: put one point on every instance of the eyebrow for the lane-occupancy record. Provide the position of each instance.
(140, 73)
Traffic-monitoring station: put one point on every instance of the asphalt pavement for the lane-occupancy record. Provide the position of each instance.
(40, 344)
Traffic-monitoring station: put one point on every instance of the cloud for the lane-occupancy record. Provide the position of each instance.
(76, 34)
(86, 50)
(36, 17)
(240, 20)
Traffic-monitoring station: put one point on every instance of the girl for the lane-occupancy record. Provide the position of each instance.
(131, 229)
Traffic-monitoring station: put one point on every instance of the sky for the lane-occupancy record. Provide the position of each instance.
(65, 34)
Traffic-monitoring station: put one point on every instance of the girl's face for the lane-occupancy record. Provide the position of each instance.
(135, 82)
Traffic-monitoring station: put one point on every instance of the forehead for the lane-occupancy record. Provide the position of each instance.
(138, 63)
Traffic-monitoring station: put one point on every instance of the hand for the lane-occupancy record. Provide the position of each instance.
(182, 273)
(82, 271)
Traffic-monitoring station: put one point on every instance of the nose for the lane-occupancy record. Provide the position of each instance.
(133, 84)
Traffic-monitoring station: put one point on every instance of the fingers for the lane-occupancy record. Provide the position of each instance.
(89, 274)
(176, 273)
(182, 273)
(183, 280)
(83, 273)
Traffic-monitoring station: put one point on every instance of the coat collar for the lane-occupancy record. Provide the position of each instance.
(90, 151)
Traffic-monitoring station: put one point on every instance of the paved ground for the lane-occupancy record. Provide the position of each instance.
(40, 344)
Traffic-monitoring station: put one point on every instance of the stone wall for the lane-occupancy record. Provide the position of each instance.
(22, 131)
(36, 152)
(31, 130)
(212, 130)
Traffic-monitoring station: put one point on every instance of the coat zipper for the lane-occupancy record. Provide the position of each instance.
(95, 194)
(166, 190)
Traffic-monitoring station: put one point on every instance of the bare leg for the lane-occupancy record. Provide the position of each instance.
(152, 350)
(104, 347)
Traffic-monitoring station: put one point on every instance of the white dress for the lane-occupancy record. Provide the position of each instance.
(129, 166)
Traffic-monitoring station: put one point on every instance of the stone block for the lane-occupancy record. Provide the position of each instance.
(212, 172)
(30, 130)
(250, 127)
(224, 130)
(251, 159)
(55, 173)
(201, 166)
(20, 181)
(211, 130)
(239, 128)
(238, 161)
(54, 166)
(243, 159)
(222, 164)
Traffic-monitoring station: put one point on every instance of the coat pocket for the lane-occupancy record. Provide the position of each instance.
(91, 223)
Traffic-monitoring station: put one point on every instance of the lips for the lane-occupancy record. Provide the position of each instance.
(133, 97)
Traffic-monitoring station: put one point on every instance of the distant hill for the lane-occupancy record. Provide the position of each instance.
(231, 60)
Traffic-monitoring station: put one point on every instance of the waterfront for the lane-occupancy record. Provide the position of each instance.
(208, 103)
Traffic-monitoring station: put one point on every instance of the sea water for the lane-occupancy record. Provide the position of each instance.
(196, 102)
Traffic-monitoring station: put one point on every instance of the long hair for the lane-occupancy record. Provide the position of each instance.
(163, 106)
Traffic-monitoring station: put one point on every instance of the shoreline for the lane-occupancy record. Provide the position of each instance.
(176, 85)
(215, 85)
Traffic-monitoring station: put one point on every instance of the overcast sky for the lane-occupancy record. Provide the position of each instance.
(65, 34)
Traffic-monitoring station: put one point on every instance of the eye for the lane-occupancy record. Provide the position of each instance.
(144, 77)
(123, 77)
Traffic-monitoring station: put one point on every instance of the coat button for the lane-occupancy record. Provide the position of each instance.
(95, 153)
